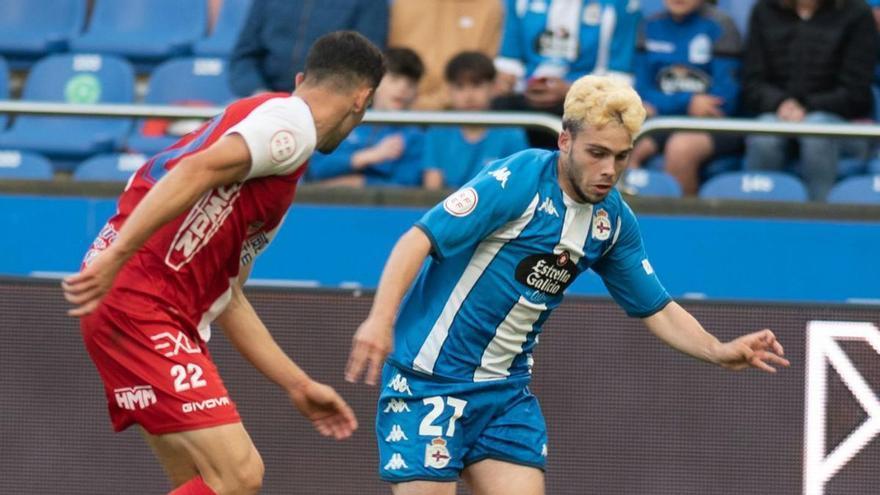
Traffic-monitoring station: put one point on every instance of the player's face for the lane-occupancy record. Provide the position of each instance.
(592, 161)
(361, 99)
(470, 96)
(679, 8)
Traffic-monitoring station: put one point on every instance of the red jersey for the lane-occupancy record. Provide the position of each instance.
(186, 266)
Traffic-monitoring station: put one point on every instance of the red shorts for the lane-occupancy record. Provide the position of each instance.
(156, 372)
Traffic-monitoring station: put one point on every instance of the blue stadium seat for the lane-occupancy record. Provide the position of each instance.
(145, 31)
(764, 186)
(73, 79)
(222, 40)
(23, 165)
(193, 81)
(30, 29)
(863, 189)
(740, 11)
(109, 167)
(651, 183)
(4, 89)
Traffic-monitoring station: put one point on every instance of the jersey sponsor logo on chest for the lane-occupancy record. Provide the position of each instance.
(204, 220)
(547, 273)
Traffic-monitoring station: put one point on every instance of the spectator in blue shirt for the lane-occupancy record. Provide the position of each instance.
(453, 155)
(276, 37)
(380, 155)
(547, 44)
(686, 64)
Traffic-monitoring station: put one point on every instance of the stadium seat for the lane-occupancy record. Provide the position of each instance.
(73, 79)
(30, 29)
(764, 186)
(145, 31)
(863, 189)
(233, 14)
(651, 183)
(4, 89)
(109, 167)
(23, 165)
(189, 81)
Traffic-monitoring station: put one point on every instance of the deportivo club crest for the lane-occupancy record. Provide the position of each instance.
(436, 454)
(601, 225)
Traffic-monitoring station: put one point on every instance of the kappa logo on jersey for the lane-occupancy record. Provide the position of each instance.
(211, 403)
(203, 221)
(399, 384)
(134, 398)
(396, 463)
(501, 175)
(396, 406)
(601, 225)
(396, 434)
(548, 273)
(462, 202)
(548, 207)
(176, 343)
(436, 454)
(282, 146)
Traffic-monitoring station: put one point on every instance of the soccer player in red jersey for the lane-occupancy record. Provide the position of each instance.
(175, 255)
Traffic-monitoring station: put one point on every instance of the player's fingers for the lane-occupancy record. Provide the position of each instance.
(323, 428)
(347, 416)
(761, 365)
(777, 348)
(79, 286)
(374, 367)
(355, 362)
(84, 309)
(775, 359)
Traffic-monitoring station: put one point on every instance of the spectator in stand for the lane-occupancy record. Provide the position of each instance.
(547, 44)
(453, 155)
(380, 155)
(875, 9)
(686, 64)
(440, 29)
(273, 43)
(808, 61)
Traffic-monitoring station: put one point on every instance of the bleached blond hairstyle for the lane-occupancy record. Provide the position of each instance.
(599, 100)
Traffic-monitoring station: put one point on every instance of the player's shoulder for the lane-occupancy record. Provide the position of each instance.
(525, 169)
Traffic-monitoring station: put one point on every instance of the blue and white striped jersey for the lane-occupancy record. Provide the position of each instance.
(505, 247)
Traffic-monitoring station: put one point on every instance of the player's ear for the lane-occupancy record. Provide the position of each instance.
(564, 141)
(362, 98)
(300, 77)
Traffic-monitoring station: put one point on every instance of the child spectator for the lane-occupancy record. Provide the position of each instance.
(686, 64)
(380, 155)
(455, 154)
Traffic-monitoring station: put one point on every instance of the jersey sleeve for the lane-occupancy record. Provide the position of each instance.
(628, 274)
(502, 192)
(280, 135)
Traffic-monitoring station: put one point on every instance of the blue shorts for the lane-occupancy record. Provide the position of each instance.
(431, 430)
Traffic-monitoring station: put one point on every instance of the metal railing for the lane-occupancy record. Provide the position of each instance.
(543, 121)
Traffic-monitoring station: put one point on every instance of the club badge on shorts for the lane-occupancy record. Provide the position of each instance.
(436, 454)
(601, 225)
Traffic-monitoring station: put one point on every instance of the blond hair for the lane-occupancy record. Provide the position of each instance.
(598, 100)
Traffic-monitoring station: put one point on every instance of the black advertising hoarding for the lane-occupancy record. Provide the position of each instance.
(626, 415)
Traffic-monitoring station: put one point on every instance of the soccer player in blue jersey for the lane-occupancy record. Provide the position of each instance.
(454, 398)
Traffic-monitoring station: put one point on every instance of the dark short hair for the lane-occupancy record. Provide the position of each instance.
(346, 59)
(470, 67)
(404, 62)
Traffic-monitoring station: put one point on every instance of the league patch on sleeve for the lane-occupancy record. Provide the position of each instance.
(647, 266)
(282, 146)
(462, 202)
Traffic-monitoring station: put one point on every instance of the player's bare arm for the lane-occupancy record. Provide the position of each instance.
(225, 162)
(372, 341)
(681, 331)
(316, 401)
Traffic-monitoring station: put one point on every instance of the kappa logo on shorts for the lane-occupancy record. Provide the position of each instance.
(134, 398)
(544, 450)
(436, 454)
(204, 220)
(399, 384)
(396, 406)
(396, 434)
(396, 463)
(177, 343)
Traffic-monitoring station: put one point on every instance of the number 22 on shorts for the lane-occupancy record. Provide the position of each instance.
(187, 378)
(428, 429)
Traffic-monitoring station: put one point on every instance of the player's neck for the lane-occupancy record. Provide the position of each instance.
(327, 108)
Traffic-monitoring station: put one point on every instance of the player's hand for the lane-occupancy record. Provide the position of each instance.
(321, 405)
(791, 111)
(756, 350)
(390, 148)
(369, 347)
(86, 289)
